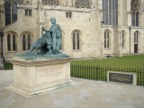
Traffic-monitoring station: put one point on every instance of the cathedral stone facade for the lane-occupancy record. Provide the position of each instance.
(90, 28)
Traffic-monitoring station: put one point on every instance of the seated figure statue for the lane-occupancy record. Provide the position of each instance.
(50, 42)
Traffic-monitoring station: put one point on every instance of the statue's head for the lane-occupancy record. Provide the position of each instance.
(53, 20)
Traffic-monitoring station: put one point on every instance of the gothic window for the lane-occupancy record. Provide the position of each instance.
(11, 41)
(14, 11)
(7, 13)
(76, 40)
(29, 41)
(110, 12)
(123, 39)
(28, 12)
(136, 34)
(68, 14)
(136, 40)
(50, 2)
(8, 42)
(83, 3)
(10, 11)
(14, 42)
(135, 9)
(106, 39)
(135, 18)
(26, 41)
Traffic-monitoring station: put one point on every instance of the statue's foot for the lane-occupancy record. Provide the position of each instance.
(57, 52)
(49, 53)
(28, 52)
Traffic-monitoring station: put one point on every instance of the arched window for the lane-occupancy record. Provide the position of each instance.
(7, 12)
(123, 39)
(50, 2)
(110, 12)
(14, 11)
(83, 3)
(136, 40)
(26, 41)
(11, 41)
(106, 39)
(8, 42)
(135, 10)
(10, 11)
(29, 41)
(14, 42)
(76, 40)
(136, 34)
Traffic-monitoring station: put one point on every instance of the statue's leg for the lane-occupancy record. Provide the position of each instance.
(31, 48)
(58, 45)
(54, 43)
(50, 49)
(36, 43)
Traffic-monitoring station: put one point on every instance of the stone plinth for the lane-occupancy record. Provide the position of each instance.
(33, 77)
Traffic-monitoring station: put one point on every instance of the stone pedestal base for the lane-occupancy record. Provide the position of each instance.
(33, 77)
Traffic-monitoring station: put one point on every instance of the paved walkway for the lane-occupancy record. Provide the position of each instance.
(84, 94)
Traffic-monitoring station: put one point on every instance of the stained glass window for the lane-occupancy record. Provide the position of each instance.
(135, 9)
(14, 11)
(7, 13)
(10, 11)
(110, 12)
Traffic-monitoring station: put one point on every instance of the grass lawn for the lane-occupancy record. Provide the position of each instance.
(96, 69)
(134, 61)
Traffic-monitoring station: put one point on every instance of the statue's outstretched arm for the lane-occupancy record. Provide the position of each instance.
(45, 29)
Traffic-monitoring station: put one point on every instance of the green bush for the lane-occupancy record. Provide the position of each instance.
(8, 66)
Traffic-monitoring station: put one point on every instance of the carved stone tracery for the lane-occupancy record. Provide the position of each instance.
(50, 2)
(83, 3)
(135, 6)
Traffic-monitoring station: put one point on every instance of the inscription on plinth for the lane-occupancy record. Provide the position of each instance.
(50, 70)
(48, 74)
(121, 77)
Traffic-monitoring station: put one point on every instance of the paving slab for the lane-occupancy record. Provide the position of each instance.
(83, 94)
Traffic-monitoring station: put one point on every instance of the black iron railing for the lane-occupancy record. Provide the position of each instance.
(100, 73)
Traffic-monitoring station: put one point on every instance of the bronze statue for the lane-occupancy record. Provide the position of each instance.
(50, 42)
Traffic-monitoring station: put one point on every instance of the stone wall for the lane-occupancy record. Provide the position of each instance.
(82, 20)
